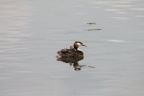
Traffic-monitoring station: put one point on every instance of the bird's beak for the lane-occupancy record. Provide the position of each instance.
(84, 45)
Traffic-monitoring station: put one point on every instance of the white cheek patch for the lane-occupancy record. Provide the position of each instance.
(78, 44)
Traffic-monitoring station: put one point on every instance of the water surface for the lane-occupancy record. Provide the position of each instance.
(31, 32)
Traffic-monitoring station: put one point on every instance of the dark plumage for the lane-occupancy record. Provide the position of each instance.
(73, 52)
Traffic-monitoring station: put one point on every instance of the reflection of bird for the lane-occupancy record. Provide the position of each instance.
(74, 62)
(69, 60)
(77, 67)
(73, 52)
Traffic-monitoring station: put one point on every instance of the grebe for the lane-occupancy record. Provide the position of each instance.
(73, 52)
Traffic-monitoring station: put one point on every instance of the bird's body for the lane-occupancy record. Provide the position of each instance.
(73, 52)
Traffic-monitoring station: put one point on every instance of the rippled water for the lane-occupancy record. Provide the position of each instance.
(31, 32)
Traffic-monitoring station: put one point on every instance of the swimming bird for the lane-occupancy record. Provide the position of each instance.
(73, 52)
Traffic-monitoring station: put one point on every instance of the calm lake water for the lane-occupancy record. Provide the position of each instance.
(32, 31)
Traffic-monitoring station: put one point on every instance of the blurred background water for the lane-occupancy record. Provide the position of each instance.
(32, 31)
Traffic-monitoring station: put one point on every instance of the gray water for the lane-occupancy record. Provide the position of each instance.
(32, 31)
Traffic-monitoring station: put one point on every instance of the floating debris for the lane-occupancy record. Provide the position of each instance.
(93, 29)
(91, 66)
(90, 23)
(117, 41)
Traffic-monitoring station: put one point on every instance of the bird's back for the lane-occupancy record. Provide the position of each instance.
(70, 53)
